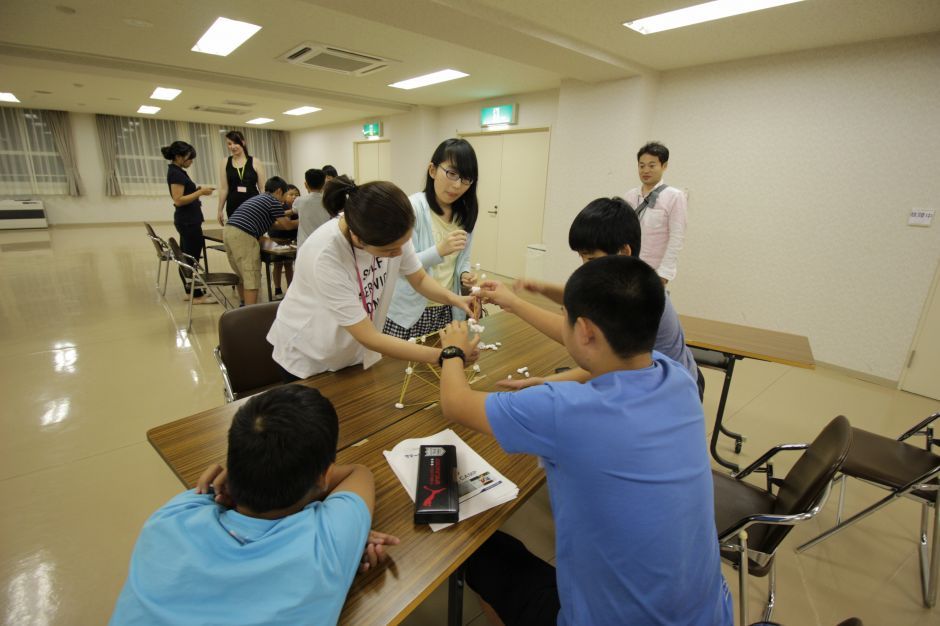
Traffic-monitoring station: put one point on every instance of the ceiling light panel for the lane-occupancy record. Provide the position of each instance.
(705, 12)
(224, 36)
(428, 79)
(6, 96)
(302, 110)
(148, 110)
(260, 120)
(165, 93)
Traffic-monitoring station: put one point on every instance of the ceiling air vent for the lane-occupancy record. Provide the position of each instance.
(203, 108)
(322, 57)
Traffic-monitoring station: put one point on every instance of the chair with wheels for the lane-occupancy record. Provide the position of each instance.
(904, 471)
(164, 255)
(752, 522)
(200, 279)
(244, 354)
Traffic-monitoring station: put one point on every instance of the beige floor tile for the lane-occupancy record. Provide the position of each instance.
(68, 534)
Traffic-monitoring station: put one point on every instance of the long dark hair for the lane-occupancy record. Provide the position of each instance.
(460, 154)
(178, 148)
(236, 137)
(379, 213)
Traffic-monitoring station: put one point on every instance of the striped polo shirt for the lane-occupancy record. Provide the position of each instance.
(256, 215)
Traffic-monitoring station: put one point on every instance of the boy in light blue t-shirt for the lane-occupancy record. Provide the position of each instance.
(627, 468)
(280, 539)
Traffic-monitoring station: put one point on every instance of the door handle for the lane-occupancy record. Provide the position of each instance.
(495, 212)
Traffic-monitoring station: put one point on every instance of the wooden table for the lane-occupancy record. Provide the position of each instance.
(368, 424)
(736, 342)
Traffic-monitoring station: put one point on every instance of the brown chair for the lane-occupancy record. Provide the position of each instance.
(243, 353)
(164, 255)
(903, 470)
(753, 521)
(724, 362)
(200, 279)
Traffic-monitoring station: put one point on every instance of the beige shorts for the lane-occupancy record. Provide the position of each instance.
(244, 255)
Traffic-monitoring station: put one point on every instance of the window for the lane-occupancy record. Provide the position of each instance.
(30, 163)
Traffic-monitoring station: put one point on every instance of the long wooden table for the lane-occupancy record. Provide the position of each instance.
(736, 342)
(368, 424)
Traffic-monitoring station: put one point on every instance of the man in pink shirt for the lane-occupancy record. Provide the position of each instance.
(661, 210)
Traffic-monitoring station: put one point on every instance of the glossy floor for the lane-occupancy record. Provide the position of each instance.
(91, 357)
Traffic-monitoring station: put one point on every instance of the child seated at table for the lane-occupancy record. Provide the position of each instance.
(605, 226)
(280, 539)
(627, 468)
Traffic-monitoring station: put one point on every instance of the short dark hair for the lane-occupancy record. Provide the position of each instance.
(606, 224)
(379, 213)
(178, 148)
(460, 154)
(656, 149)
(623, 296)
(280, 444)
(294, 187)
(314, 178)
(237, 137)
(329, 170)
(275, 183)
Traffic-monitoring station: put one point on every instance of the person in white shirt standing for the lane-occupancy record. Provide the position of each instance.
(661, 210)
(344, 278)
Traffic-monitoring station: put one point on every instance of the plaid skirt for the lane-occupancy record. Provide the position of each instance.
(432, 320)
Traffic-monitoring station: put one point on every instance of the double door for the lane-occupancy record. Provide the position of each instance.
(513, 169)
(373, 161)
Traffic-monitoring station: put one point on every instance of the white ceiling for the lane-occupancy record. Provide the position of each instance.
(92, 60)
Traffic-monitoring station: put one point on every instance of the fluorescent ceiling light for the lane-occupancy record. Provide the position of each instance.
(165, 93)
(224, 36)
(302, 110)
(699, 13)
(260, 120)
(428, 79)
(149, 110)
(6, 96)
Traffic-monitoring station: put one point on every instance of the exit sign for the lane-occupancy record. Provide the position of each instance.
(499, 115)
(373, 129)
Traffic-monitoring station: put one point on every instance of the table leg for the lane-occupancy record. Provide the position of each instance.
(267, 272)
(455, 585)
(719, 417)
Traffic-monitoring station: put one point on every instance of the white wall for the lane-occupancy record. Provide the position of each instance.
(413, 136)
(802, 170)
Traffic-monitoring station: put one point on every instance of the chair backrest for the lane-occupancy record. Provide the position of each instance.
(806, 482)
(181, 258)
(159, 245)
(244, 349)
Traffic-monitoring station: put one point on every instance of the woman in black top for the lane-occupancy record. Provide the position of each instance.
(240, 176)
(188, 214)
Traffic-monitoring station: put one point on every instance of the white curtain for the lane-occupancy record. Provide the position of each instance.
(61, 126)
(30, 162)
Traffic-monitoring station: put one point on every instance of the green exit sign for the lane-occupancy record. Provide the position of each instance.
(373, 129)
(496, 116)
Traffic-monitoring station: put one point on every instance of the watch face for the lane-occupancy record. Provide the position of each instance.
(451, 351)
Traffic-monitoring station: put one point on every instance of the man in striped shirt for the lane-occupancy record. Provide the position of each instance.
(250, 221)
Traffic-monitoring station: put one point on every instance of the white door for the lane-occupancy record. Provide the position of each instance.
(923, 371)
(513, 169)
(373, 161)
(521, 199)
(489, 151)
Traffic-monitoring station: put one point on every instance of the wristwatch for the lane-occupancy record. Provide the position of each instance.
(450, 352)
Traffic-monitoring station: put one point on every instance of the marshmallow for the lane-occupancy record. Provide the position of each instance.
(482, 276)
(399, 405)
(413, 340)
(527, 374)
(476, 367)
(522, 370)
(409, 370)
(498, 343)
(474, 291)
(509, 377)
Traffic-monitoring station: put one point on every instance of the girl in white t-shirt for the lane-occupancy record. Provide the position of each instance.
(344, 277)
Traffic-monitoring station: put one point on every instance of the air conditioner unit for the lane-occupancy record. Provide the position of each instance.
(322, 57)
(21, 214)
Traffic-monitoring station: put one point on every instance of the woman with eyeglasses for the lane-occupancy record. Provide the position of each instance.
(445, 214)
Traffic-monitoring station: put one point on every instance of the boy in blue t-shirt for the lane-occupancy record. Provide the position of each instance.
(278, 542)
(627, 467)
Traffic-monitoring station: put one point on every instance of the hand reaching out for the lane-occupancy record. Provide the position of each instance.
(374, 553)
